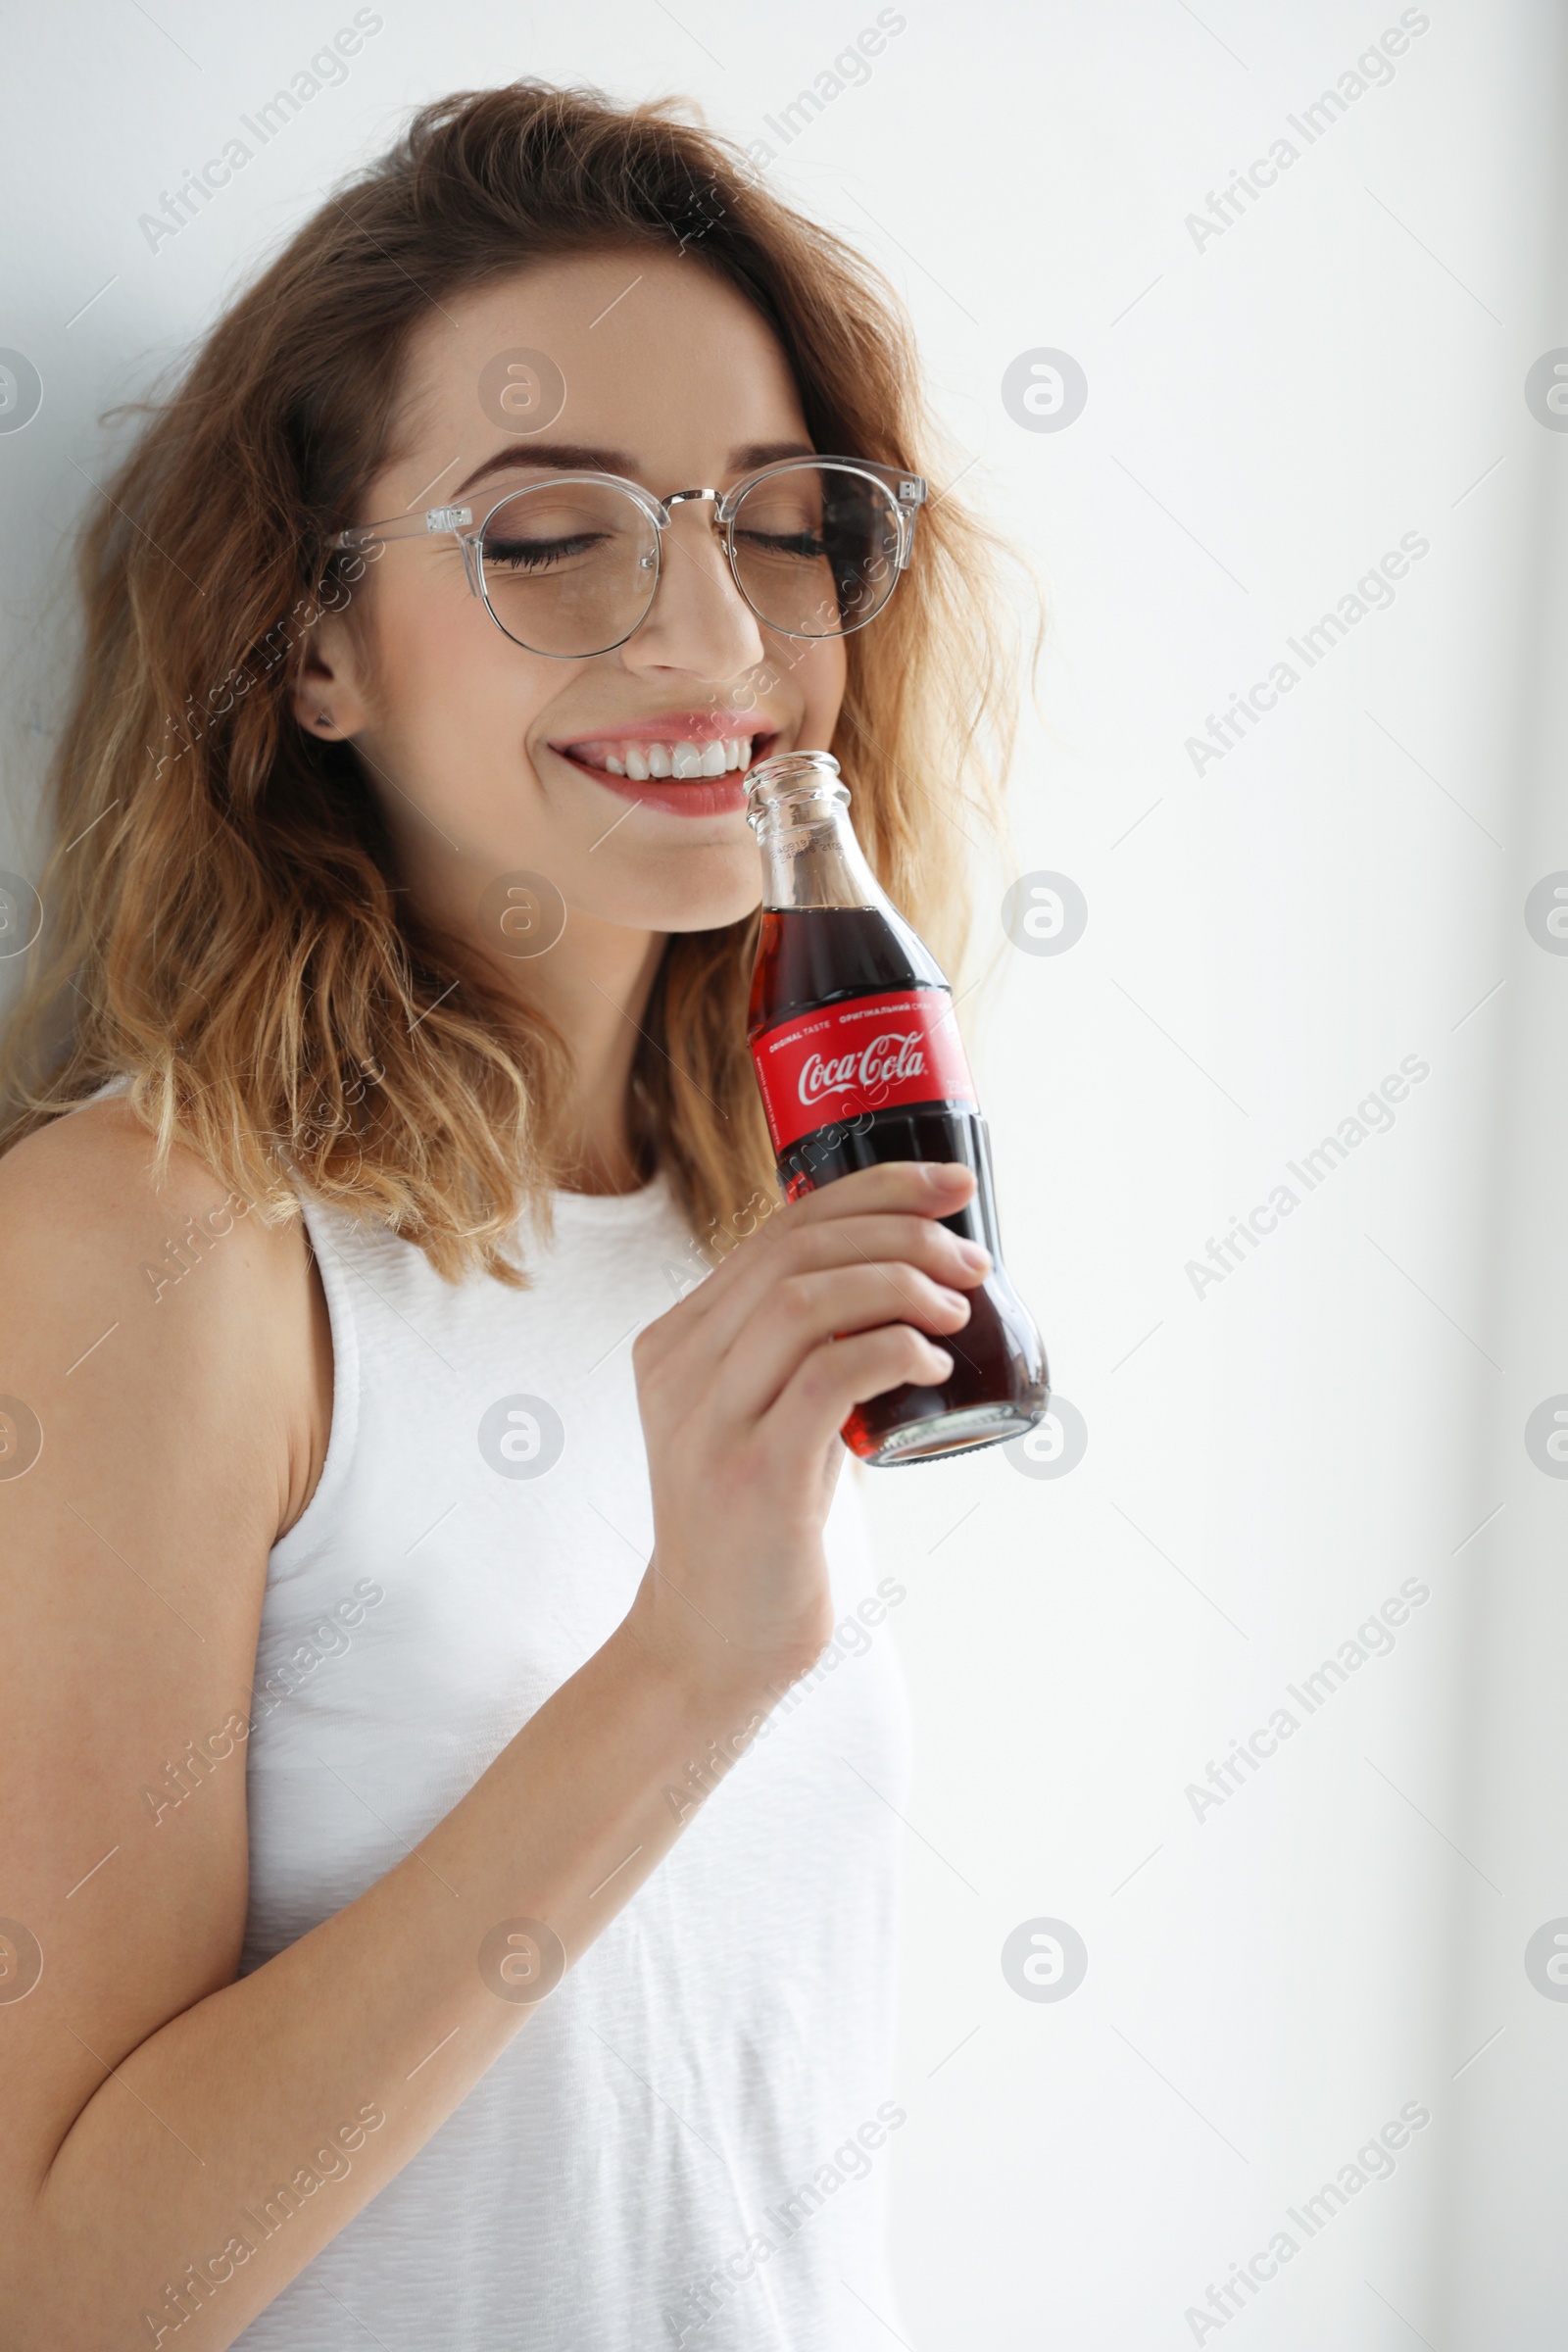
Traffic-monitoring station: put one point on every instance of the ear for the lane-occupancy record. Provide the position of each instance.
(329, 699)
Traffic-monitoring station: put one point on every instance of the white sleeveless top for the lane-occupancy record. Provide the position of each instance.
(689, 2142)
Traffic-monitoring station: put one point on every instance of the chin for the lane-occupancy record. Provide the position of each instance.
(685, 889)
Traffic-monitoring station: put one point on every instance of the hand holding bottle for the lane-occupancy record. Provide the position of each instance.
(743, 1388)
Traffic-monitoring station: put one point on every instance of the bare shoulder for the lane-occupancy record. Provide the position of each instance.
(177, 1290)
(98, 1156)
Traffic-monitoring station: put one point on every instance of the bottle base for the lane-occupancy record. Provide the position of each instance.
(962, 1432)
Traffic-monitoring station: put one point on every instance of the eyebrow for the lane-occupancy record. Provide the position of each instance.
(576, 457)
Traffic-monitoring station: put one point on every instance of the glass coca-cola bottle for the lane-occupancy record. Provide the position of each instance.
(859, 1058)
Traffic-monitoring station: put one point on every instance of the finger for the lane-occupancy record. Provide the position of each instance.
(918, 1242)
(814, 1232)
(804, 1311)
(818, 1400)
(935, 1187)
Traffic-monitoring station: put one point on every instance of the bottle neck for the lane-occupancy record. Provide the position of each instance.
(798, 809)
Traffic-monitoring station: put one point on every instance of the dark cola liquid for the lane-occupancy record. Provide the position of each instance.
(809, 957)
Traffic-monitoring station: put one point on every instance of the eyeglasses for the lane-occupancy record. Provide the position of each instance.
(570, 565)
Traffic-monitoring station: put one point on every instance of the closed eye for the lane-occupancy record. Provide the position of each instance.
(786, 543)
(536, 554)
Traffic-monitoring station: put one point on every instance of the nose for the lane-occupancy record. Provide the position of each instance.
(699, 621)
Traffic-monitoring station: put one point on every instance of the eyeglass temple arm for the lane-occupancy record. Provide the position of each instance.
(911, 497)
(406, 526)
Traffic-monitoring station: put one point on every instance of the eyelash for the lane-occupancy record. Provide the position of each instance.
(511, 553)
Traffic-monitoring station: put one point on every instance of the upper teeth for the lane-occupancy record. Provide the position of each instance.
(641, 761)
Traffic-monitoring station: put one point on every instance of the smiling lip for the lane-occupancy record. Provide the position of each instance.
(675, 796)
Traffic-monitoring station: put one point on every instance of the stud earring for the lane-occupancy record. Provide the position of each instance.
(324, 718)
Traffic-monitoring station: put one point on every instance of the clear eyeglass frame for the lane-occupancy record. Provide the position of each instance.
(906, 493)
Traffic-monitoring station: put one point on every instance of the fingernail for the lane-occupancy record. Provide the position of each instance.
(944, 1362)
(945, 1175)
(956, 1297)
(976, 1254)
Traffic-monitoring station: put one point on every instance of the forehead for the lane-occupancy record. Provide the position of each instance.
(645, 350)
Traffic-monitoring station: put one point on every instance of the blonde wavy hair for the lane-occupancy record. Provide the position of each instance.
(223, 923)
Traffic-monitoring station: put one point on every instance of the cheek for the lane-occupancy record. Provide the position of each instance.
(819, 675)
(431, 638)
(456, 698)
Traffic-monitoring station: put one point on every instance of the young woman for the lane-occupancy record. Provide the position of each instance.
(431, 1610)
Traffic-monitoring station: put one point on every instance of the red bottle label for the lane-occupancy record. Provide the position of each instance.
(871, 1054)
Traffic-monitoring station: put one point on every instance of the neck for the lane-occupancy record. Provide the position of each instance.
(592, 987)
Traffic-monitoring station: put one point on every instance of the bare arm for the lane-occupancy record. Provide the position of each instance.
(158, 2105)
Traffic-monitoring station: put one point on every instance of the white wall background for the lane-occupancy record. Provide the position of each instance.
(1267, 414)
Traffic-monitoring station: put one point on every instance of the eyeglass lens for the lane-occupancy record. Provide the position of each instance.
(570, 567)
